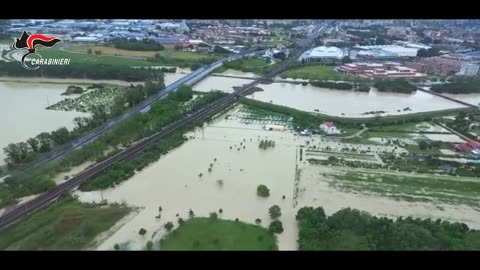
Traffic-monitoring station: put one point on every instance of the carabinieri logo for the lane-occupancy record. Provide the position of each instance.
(31, 42)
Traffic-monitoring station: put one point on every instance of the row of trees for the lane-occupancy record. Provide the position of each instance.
(133, 44)
(26, 151)
(79, 70)
(351, 229)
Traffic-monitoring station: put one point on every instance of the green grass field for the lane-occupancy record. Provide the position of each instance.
(250, 64)
(93, 59)
(218, 234)
(447, 189)
(317, 72)
(65, 225)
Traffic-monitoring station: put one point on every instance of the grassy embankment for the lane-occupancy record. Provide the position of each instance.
(218, 234)
(66, 225)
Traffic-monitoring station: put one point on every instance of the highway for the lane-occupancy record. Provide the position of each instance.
(189, 79)
(51, 195)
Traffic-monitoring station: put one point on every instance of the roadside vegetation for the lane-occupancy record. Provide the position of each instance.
(218, 234)
(162, 113)
(65, 225)
(351, 229)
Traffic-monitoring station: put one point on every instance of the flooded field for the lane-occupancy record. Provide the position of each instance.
(181, 181)
(172, 77)
(332, 102)
(316, 190)
(22, 106)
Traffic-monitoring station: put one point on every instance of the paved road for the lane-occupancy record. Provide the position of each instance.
(189, 79)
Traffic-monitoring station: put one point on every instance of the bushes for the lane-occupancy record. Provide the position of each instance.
(332, 85)
(263, 191)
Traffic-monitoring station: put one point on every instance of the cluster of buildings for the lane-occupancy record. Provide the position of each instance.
(226, 34)
(386, 70)
(471, 147)
(442, 66)
(98, 31)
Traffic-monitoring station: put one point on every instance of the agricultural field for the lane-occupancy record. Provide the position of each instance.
(66, 225)
(218, 234)
(168, 54)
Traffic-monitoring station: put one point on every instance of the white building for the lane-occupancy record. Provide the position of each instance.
(323, 52)
(329, 128)
(400, 51)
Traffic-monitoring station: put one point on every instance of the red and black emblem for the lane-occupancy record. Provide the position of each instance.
(30, 42)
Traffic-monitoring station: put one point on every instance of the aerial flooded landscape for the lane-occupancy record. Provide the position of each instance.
(241, 135)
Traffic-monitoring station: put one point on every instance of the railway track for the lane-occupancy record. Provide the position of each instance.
(53, 194)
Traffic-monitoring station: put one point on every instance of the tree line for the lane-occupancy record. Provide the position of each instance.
(395, 86)
(351, 229)
(460, 85)
(79, 70)
(133, 44)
